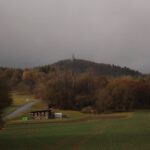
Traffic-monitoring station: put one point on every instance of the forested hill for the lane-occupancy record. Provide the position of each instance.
(81, 66)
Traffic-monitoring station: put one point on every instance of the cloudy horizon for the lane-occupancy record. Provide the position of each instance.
(35, 32)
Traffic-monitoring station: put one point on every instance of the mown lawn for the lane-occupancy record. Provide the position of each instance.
(105, 132)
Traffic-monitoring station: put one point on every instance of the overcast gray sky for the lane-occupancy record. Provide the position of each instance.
(35, 32)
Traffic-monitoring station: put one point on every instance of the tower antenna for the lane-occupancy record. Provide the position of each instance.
(73, 57)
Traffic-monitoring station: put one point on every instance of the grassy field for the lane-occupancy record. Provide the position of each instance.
(18, 100)
(124, 131)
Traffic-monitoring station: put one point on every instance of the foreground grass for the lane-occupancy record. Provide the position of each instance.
(104, 132)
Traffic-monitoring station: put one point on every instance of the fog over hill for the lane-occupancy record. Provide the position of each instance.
(35, 32)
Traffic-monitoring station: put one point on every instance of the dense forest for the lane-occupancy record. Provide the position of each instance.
(82, 85)
(81, 66)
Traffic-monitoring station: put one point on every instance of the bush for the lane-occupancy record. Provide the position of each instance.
(88, 109)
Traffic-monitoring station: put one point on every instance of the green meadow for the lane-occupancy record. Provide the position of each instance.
(124, 131)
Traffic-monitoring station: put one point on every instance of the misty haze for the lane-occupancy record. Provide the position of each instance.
(35, 32)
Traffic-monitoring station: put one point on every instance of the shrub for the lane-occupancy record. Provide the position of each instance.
(88, 109)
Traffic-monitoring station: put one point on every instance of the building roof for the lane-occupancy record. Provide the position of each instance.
(46, 110)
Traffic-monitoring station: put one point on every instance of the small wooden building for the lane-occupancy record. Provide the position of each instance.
(41, 114)
(44, 114)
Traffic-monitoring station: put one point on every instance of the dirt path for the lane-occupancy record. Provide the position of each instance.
(21, 109)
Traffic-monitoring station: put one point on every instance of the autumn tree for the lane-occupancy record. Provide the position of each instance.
(119, 95)
(142, 94)
(5, 99)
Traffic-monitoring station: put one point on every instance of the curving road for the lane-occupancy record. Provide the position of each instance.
(21, 109)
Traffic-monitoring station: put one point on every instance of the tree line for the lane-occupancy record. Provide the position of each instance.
(5, 99)
(70, 90)
(81, 66)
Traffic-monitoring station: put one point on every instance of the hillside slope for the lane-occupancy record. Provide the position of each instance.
(81, 66)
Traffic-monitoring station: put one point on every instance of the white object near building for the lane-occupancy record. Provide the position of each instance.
(58, 115)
